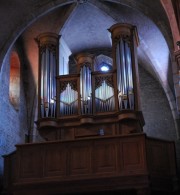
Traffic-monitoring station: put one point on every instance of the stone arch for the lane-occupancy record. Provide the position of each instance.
(168, 7)
(174, 103)
(102, 59)
(42, 9)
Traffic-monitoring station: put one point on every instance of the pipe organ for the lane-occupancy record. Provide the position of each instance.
(103, 97)
(89, 117)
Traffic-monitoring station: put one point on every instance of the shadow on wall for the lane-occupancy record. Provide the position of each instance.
(159, 121)
(158, 117)
(15, 123)
(28, 89)
(9, 117)
(1, 184)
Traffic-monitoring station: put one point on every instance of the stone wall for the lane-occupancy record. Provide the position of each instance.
(158, 117)
(159, 122)
(12, 122)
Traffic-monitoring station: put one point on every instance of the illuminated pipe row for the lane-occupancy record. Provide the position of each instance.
(68, 109)
(48, 84)
(86, 90)
(68, 101)
(124, 76)
(48, 48)
(104, 98)
(84, 63)
(124, 41)
(104, 105)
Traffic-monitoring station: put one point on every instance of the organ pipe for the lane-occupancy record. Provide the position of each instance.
(48, 67)
(125, 42)
(85, 62)
(104, 95)
(68, 100)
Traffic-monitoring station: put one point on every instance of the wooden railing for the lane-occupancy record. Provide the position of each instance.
(108, 163)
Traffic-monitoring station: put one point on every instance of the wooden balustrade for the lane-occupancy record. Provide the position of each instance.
(88, 165)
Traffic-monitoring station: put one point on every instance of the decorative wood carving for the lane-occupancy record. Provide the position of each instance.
(107, 78)
(72, 83)
(79, 159)
(124, 31)
(104, 157)
(87, 64)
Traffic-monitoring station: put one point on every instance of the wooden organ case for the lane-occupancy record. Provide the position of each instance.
(93, 127)
(92, 101)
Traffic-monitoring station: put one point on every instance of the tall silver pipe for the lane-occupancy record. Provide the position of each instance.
(48, 46)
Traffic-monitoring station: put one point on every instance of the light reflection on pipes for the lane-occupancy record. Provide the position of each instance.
(68, 101)
(124, 75)
(48, 83)
(85, 90)
(104, 98)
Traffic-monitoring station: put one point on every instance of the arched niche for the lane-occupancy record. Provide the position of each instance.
(14, 80)
(102, 60)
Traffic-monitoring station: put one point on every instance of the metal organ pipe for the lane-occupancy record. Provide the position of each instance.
(85, 62)
(125, 40)
(86, 91)
(104, 97)
(130, 77)
(68, 100)
(48, 49)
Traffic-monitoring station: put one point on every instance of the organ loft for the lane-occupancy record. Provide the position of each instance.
(93, 126)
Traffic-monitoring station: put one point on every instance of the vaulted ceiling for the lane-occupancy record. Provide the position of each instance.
(83, 25)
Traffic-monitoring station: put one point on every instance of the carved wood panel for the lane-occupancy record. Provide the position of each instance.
(104, 157)
(158, 157)
(95, 163)
(30, 162)
(55, 161)
(79, 159)
(132, 156)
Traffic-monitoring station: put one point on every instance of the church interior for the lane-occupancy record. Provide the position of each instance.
(89, 97)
